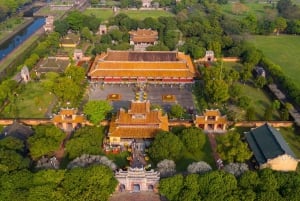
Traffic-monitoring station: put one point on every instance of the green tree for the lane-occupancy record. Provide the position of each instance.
(86, 140)
(97, 110)
(76, 73)
(166, 145)
(86, 34)
(249, 180)
(10, 160)
(61, 26)
(268, 113)
(244, 102)
(171, 187)
(92, 183)
(45, 141)
(177, 111)
(11, 143)
(280, 24)
(193, 139)
(216, 91)
(75, 20)
(232, 149)
(260, 82)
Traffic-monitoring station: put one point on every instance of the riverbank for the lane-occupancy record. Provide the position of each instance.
(18, 53)
(9, 35)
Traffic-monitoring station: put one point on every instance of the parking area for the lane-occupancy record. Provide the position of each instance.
(183, 94)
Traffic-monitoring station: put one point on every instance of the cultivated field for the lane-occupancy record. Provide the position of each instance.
(283, 50)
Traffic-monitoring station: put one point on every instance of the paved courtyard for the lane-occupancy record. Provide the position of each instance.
(141, 196)
(154, 94)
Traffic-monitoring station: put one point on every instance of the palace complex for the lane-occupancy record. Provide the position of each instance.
(152, 67)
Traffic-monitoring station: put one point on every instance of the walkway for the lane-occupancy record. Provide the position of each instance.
(59, 154)
(282, 98)
(141, 196)
(213, 144)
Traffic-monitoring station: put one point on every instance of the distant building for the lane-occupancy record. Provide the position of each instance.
(52, 64)
(152, 67)
(143, 38)
(49, 27)
(102, 29)
(25, 75)
(146, 3)
(211, 121)
(139, 122)
(71, 40)
(270, 149)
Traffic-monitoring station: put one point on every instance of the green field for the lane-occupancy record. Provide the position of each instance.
(103, 14)
(283, 50)
(249, 7)
(292, 137)
(33, 102)
(142, 14)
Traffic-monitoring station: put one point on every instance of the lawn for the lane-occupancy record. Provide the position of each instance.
(292, 137)
(257, 8)
(283, 50)
(101, 13)
(32, 102)
(201, 155)
(259, 100)
(142, 14)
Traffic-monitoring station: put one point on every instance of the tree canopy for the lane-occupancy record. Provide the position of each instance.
(166, 145)
(46, 140)
(86, 140)
(97, 110)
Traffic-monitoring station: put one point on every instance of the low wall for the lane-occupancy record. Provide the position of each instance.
(255, 124)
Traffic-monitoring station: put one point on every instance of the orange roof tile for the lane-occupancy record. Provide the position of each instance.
(182, 67)
(143, 35)
(134, 132)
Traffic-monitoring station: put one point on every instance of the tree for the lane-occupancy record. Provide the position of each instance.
(76, 73)
(12, 143)
(10, 160)
(216, 91)
(171, 39)
(193, 139)
(166, 145)
(200, 167)
(86, 140)
(45, 141)
(268, 113)
(61, 26)
(166, 168)
(232, 149)
(171, 187)
(176, 111)
(280, 24)
(249, 180)
(244, 102)
(97, 110)
(75, 20)
(85, 183)
(260, 82)
(86, 34)
(67, 91)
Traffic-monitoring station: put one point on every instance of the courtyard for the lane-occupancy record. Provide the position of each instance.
(127, 92)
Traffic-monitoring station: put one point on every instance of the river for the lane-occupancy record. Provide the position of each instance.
(20, 37)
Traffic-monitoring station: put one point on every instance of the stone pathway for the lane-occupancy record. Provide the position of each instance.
(141, 196)
(213, 144)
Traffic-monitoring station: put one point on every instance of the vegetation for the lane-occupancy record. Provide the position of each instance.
(96, 111)
(262, 185)
(46, 140)
(232, 149)
(86, 140)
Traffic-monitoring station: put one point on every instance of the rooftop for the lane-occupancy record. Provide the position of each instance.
(267, 143)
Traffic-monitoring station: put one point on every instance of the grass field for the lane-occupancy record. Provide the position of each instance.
(283, 50)
(254, 7)
(201, 155)
(103, 14)
(33, 102)
(142, 14)
(292, 137)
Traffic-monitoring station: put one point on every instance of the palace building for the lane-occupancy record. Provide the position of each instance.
(138, 123)
(152, 67)
(270, 149)
(143, 38)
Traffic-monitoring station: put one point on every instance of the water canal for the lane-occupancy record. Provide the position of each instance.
(12, 43)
